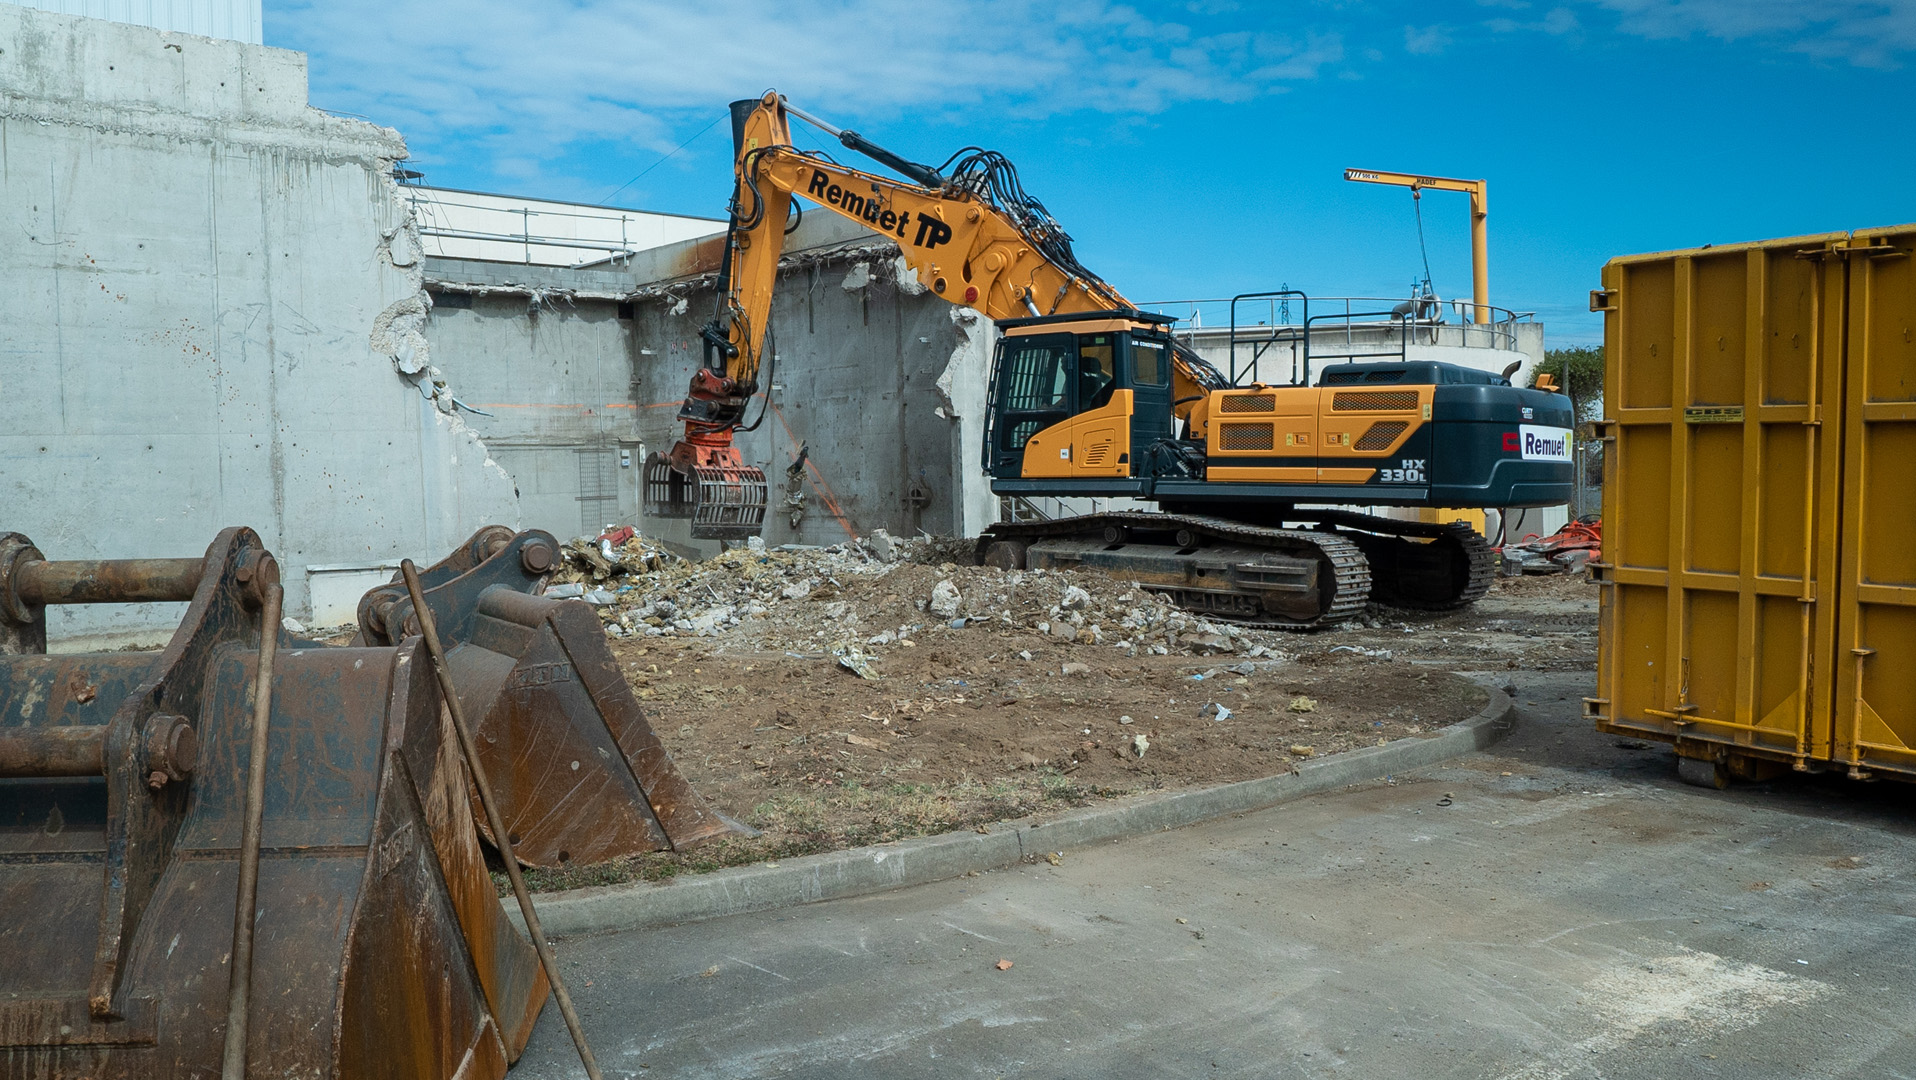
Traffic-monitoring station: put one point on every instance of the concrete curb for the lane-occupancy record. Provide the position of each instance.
(917, 861)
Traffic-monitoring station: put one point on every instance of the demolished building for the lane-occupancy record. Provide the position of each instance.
(221, 311)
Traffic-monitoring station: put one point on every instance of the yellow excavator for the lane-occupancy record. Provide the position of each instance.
(1091, 397)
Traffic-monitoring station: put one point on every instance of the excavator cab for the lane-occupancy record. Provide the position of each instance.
(1078, 396)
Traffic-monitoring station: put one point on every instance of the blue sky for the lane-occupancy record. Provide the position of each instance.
(1194, 149)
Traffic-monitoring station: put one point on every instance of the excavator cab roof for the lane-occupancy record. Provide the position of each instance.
(1087, 321)
(1407, 373)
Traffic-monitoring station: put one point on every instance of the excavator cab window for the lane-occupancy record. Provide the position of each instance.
(1035, 386)
(1147, 362)
(1097, 370)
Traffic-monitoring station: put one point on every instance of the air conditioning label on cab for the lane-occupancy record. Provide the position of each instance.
(1543, 443)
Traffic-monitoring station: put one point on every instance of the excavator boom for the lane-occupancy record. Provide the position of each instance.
(972, 236)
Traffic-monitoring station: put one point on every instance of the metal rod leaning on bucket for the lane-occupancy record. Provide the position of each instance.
(500, 836)
(239, 986)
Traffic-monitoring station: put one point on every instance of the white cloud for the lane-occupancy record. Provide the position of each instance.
(532, 79)
(1557, 22)
(1428, 41)
(1867, 33)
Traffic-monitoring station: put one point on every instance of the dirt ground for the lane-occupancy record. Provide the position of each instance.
(1000, 713)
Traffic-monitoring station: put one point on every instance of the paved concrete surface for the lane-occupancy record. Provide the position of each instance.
(1558, 908)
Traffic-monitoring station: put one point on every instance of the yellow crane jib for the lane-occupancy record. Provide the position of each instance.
(1479, 192)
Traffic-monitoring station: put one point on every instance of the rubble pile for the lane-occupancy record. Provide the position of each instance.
(876, 593)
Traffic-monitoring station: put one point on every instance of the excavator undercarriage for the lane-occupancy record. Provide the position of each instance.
(1257, 574)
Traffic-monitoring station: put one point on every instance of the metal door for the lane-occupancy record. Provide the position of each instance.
(1874, 718)
(1148, 374)
(1721, 494)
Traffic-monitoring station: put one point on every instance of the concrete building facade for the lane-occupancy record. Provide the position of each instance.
(579, 373)
(213, 316)
(239, 20)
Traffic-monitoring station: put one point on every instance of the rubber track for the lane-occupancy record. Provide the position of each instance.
(1483, 557)
(1483, 570)
(1350, 569)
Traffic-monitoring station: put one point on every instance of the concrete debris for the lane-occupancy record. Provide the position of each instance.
(855, 661)
(1140, 744)
(1303, 704)
(857, 600)
(1075, 668)
(944, 601)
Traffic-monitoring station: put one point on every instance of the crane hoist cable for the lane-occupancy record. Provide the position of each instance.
(1417, 205)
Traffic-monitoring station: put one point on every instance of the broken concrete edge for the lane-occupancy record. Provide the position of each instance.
(921, 860)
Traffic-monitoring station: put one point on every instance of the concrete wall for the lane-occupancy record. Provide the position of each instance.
(884, 382)
(236, 19)
(206, 293)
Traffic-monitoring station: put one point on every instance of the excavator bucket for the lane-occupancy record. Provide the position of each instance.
(381, 948)
(579, 774)
(724, 502)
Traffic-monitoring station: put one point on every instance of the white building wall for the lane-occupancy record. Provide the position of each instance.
(207, 295)
(238, 20)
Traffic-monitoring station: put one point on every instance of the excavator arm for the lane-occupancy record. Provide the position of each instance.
(969, 233)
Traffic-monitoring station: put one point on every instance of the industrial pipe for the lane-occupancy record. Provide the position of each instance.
(74, 750)
(107, 581)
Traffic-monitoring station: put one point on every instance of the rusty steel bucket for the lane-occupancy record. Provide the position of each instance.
(381, 947)
(579, 773)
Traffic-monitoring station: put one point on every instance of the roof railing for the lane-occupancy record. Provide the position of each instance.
(428, 209)
(1354, 329)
